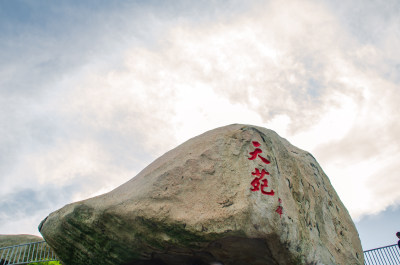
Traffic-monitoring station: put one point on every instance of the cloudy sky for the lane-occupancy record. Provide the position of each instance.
(93, 91)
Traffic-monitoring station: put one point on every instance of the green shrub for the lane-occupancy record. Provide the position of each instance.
(56, 262)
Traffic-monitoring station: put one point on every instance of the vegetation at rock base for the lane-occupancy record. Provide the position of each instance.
(56, 262)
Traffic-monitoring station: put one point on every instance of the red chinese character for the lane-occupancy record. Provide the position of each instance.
(256, 182)
(279, 209)
(257, 152)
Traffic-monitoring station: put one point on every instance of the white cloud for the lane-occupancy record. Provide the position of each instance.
(21, 223)
(290, 66)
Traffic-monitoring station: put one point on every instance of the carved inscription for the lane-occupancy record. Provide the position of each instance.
(260, 182)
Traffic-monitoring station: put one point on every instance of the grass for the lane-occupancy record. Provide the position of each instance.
(56, 262)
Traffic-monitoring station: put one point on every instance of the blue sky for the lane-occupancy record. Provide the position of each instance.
(93, 91)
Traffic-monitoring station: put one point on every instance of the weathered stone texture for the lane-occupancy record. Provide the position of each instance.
(194, 205)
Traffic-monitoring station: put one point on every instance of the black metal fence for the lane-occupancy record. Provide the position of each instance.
(389, 255)
(26, 253)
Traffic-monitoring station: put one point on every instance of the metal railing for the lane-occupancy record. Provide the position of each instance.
(389, 255)
(41, 252)
(27, 253)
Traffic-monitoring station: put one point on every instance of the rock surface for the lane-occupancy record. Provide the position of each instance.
(12, 240)
(237, 195)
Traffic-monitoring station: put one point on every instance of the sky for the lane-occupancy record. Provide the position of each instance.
(91, 92)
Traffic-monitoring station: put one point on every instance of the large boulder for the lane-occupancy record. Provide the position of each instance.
(235, 195)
